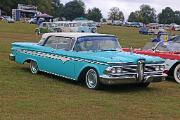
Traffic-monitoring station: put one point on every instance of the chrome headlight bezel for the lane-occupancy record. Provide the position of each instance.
(159, 67)
(113, 70)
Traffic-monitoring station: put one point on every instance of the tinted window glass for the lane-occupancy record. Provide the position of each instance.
(63, 43)
(98, 43)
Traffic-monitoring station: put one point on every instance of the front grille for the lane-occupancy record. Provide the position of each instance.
(134, 68)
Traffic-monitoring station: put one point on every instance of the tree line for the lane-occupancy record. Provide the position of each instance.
(70, 11)
(76, 8)
(146, 14)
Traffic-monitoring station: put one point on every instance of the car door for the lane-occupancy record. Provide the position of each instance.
(59, 60)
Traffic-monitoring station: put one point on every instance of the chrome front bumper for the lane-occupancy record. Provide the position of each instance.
(105, 79)
(11, 57)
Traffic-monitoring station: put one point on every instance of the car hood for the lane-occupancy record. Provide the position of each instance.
(117, 56)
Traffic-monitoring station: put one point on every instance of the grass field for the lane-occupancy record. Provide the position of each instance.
(24, 96)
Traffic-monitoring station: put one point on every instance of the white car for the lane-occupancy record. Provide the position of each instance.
(155, 30)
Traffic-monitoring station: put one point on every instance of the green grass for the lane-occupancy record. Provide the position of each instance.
(25, 96)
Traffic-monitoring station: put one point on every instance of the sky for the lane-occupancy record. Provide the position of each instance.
(128, 6)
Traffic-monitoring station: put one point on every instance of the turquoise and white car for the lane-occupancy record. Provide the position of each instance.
(94, 58)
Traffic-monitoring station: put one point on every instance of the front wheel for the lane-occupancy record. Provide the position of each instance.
(33, 67)
(92, 79)
(177, 73)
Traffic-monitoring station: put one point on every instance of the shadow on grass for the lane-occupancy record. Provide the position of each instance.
(107, 88)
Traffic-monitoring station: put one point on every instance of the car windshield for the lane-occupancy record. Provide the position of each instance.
(162, 46)
(98, 43)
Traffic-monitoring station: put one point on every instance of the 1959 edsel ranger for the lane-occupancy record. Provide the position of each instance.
(95, 58)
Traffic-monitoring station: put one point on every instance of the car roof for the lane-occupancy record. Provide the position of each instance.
(74, 34)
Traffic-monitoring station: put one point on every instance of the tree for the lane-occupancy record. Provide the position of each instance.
(147, 14)
(43, 5)
(134, 17)
(177, 17)
(74, 9)
(166, 16)
(116, 14)
(94, 14)
(57, 8)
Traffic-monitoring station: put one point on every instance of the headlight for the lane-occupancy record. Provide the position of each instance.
(160, 68)
(113, 70)
(157, 68)
(119, 70)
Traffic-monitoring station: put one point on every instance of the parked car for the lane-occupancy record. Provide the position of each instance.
(32, 21)
(117, 22)
(176, 27)
(47, 27)
(136, 24)
(94, 58)
(144, 30)
(77, 26)
(8, 19)
(155, 30)
(98, 24)
(166, 50)
(1, 18)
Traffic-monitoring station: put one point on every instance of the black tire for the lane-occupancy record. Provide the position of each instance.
(143, 85)
(33, 67)
(92, 79)
(176, 73)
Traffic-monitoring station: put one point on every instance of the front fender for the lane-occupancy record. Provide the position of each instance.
(99, 68)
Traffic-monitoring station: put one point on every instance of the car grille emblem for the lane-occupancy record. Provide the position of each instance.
(140, 70)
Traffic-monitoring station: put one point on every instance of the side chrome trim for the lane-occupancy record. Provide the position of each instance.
(57, 75)
(64, 59)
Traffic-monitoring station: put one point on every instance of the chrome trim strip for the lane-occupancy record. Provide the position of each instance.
(58, 57)
(105, 79)
(57, 75)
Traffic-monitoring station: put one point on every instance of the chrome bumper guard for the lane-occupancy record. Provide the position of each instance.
(106, 79)
(11, 57)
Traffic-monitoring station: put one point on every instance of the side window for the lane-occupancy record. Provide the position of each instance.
(65, 43)
(62, 43)
(44, 25)
(51, 42)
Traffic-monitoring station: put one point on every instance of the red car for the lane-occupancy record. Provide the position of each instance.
(169, 51)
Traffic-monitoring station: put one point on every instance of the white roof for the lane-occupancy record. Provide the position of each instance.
(73, 34)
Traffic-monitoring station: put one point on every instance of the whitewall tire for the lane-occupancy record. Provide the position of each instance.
(33, 67)
(92, 79)
(177, 73)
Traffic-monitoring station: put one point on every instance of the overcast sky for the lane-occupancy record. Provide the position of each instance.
(127, 6)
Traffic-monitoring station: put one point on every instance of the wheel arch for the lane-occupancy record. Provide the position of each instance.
(28, 60)
(85, 69)
(173, 67)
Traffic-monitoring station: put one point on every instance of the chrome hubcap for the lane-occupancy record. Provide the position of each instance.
(91, 79)
(33, 67)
